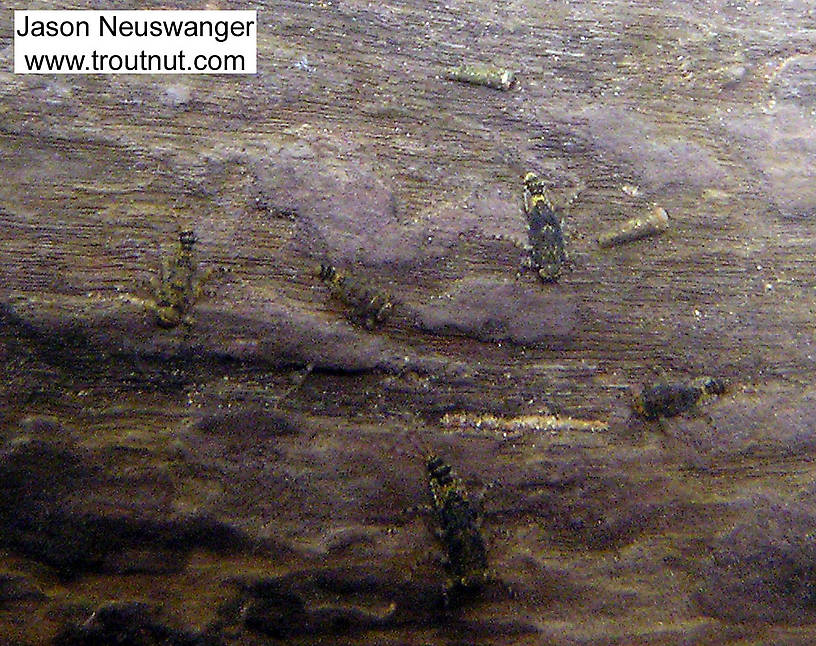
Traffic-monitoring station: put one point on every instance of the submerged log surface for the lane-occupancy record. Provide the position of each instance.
(171, 484)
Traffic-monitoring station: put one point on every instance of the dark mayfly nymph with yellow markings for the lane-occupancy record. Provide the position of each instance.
(672, 399)
(459, 530)
(180, 284)
(368, 305)
(547, 253)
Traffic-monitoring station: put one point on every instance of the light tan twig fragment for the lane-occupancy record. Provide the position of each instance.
(520, 424)
(656, 221)
(495, 77)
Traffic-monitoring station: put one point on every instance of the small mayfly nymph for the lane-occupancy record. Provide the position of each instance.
(547, 252)
(367, 305)
(180, 284)
(460, 533)
(665, 399)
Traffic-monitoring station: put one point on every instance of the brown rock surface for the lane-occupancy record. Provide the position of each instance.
(171, 486)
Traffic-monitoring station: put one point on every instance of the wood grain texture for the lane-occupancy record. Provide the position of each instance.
(165, 467)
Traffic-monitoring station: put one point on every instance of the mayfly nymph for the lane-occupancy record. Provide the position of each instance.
(369, 306)
(547, 252)
(665, 399)
(459, 525)
(180, 284)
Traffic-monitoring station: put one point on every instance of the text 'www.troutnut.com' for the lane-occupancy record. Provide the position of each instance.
(135, 42)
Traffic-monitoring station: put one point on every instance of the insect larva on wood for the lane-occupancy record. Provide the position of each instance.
(665, 399)
(459, 525)
(367, 305)
(180, 284)
(547, 250)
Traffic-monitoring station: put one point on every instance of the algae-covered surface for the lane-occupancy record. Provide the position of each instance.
(256, 473)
